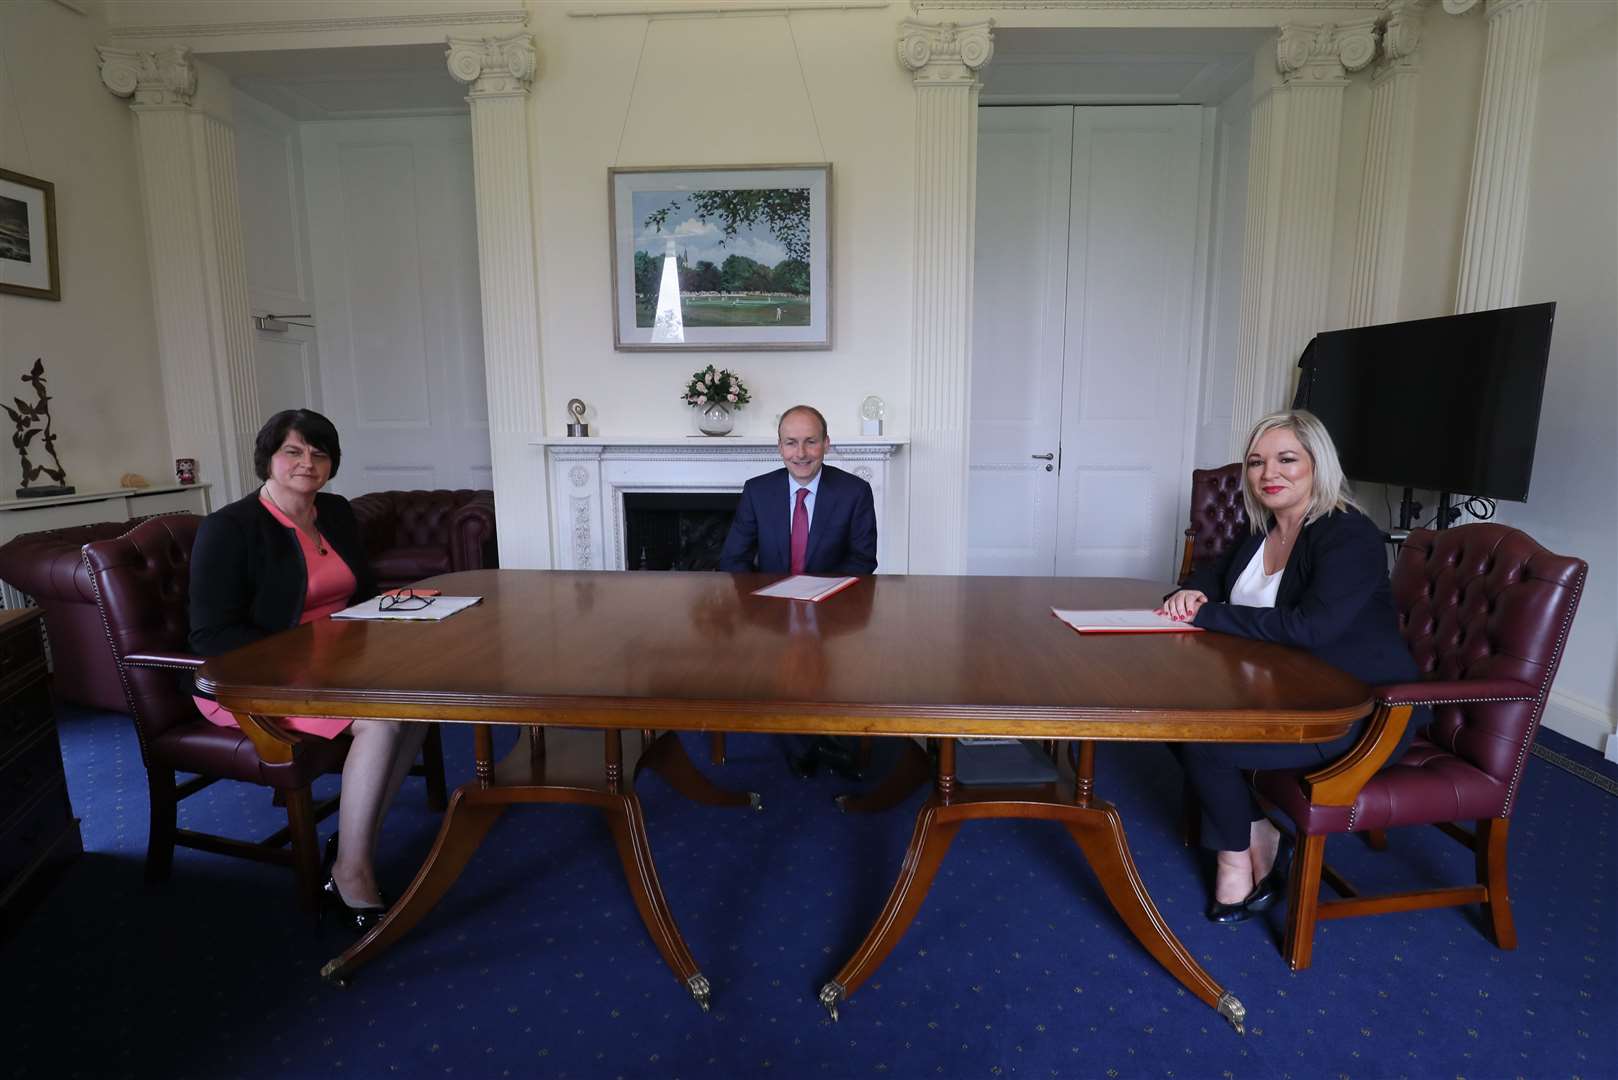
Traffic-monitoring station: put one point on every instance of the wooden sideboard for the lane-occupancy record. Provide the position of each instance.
(39, 836)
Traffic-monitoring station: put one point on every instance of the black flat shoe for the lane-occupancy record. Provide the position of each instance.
(1230, 914)
(1274, 885)
(358, 919)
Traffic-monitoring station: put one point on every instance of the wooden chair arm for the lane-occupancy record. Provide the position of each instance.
(1339, 783)
(1185, 556)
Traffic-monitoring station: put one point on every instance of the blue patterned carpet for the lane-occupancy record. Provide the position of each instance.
(537, 965)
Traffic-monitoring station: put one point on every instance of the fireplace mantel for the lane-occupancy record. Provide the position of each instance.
(589, 476)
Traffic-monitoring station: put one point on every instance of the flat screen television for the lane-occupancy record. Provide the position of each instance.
(1448, 404)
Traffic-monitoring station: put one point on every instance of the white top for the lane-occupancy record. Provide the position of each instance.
(1255, 588)
(813, 487)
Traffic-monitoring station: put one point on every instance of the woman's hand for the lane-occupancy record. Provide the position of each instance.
(1182, 606)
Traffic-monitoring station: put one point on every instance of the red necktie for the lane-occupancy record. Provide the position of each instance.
(800, 530)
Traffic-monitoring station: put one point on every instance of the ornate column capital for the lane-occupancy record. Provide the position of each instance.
(1324, 53)
(494, 66)
(1401, 36)
(1490, 10)
(945, 53)
(163, 77)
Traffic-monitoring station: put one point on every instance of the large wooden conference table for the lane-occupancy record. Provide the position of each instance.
(650, 653)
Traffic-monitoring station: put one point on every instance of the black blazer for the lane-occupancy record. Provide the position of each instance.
(248, 578)
(1334, 600)
(842, 532)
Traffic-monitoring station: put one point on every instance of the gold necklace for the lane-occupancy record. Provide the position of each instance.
(320, 541)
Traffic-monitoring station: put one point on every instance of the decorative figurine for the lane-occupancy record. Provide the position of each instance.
(185, 470)
(34, 420)
(577, 427)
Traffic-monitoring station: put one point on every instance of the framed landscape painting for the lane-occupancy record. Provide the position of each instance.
(28, 237)
(721, 258)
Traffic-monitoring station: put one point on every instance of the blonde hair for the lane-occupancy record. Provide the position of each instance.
(1329, 491)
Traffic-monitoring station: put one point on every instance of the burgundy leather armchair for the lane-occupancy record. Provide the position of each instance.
(46, 566)
(1486, 612)
(1218, 516)
(410, 535)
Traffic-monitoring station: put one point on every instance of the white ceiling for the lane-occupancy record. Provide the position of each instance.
(347, 84)
(1116, 67)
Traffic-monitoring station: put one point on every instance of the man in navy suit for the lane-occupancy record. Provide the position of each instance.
(808, 518)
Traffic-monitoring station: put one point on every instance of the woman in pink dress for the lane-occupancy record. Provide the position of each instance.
(288, 554)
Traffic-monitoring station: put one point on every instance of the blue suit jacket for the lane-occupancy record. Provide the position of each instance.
(842, 532)
(1334, 600)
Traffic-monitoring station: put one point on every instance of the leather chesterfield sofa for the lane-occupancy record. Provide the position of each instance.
(46, 565)
(410, 535)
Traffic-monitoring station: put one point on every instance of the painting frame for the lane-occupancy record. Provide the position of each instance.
(788, 301)
(28, 230)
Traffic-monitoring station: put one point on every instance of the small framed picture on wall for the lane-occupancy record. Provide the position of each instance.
(706, 258)
(28, 237)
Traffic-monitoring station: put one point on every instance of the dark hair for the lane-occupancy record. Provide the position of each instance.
(812, 411)
(316, 430)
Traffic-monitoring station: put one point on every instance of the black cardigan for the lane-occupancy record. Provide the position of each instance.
(1334, 600)
(248, 577)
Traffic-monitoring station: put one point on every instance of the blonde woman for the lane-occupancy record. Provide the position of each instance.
(1313, 574)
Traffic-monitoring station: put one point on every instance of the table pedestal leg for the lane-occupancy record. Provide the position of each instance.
(635, 852)
(467, 821)
(666, 757)
(1094, 825)
(570, 770)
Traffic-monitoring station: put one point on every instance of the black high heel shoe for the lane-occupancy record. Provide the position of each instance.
(360, 919)
(1274, 884)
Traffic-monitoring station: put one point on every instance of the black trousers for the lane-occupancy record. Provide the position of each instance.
(1217, 773)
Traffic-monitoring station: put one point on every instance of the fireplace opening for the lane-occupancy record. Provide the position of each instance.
(681, 530)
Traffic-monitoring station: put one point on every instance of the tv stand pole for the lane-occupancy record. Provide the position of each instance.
(1409, 511)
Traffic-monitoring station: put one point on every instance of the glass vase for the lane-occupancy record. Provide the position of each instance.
(715, 419)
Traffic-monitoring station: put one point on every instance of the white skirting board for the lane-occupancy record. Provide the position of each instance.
(1583, 721)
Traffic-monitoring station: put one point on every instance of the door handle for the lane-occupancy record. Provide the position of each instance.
(1043, 457)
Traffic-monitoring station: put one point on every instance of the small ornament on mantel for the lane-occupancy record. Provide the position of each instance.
(133, 480)
(32, 420)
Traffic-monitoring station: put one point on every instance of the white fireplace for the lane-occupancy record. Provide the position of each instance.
(590, 476)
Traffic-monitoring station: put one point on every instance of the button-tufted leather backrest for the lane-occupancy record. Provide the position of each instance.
(1218, 515)
(1484, 601)
(419, 518)
(142, 584)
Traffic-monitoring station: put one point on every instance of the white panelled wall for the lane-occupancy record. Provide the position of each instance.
(1431, 219)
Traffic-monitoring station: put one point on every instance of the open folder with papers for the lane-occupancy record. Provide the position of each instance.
(1143, 621)
(421, 608)
(806, 587)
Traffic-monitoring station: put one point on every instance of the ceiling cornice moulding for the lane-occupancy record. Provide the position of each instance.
(1311, 7)
(296, 26)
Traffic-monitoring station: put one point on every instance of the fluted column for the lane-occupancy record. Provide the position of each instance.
(943, 61)
(1390, 152)
(499, 72)
(1292, 195)
(1497, 205)
(187, 163)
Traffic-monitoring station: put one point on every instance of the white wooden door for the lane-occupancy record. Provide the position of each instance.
(1019, 293)
(1085, 263)
(1128, 372)
(394, 249)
